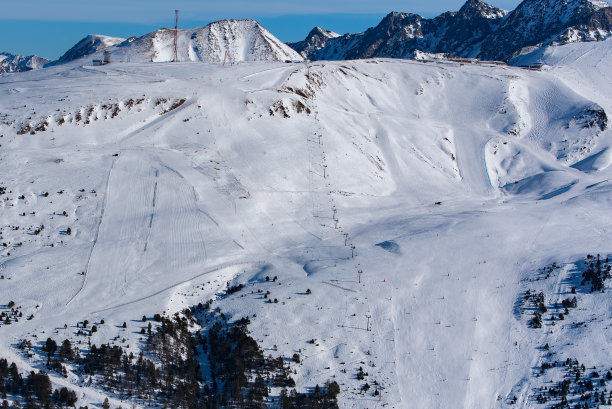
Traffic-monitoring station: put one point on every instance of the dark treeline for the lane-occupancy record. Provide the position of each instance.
(237, 373)
(596, 273)
(580, 389)
(34, 391)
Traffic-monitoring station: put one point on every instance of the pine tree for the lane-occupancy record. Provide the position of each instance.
(50, 347)
(66, 352)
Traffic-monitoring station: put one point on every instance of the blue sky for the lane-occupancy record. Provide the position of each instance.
(49, 28)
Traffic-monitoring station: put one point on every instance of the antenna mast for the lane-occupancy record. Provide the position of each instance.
(175, 35)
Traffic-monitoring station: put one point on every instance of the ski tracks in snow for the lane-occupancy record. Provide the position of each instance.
(152, 211)
(95, 240)
(152, 224)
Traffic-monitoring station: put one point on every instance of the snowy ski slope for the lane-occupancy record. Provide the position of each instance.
(448, 184)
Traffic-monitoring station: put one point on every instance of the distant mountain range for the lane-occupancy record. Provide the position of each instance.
(18, 63)
(477, 30)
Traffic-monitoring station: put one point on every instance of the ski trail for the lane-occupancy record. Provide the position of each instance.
(123, 229)
(193, 191)
(152, 211)
(95, 240)
(156, 119)
(472, 164)
(213, 270)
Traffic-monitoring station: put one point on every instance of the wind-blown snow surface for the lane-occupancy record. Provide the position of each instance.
(176, 178)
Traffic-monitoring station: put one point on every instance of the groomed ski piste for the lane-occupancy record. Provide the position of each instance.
(448, 184)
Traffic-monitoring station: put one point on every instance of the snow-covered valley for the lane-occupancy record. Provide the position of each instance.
(404, 207)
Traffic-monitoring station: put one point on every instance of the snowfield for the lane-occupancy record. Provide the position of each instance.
(449, 185)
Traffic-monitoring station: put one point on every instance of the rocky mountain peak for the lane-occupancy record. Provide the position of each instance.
(315, 40)
(477, 8)
(319, 31)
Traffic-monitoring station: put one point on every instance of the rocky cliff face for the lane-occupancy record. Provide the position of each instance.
(464, 31)
(542, 22)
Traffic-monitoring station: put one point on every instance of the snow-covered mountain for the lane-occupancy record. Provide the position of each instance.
(244, 40)
(477, 30)
(18, 63)
(316, 39)
(86, 46)
(422, 233)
